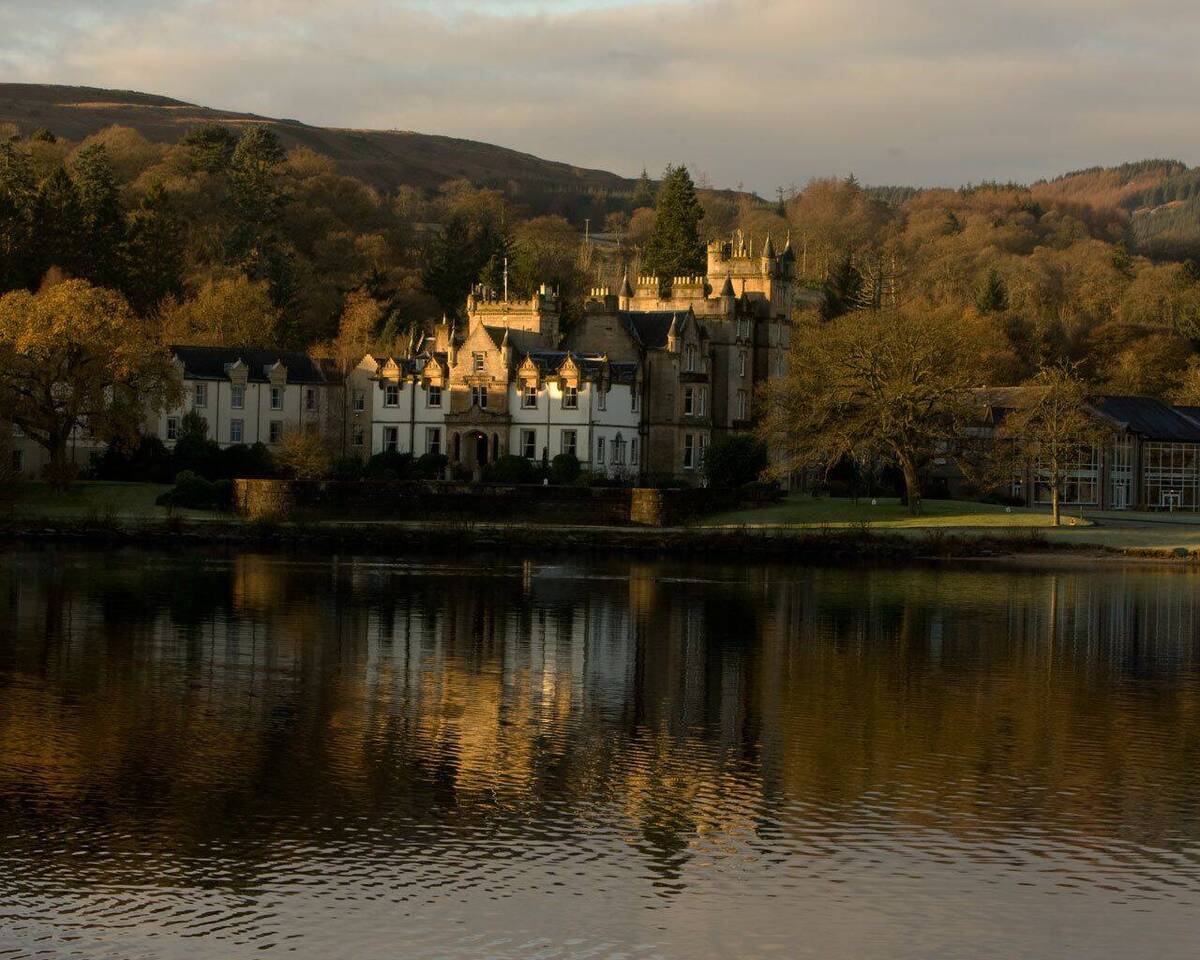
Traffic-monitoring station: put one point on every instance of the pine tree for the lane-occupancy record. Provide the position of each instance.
(643, 193)
(58, 226)
(17, 193)
(842, 290)
(993, 295)
(154, 252)
(674, 247)
(103, 223)
(210, 147)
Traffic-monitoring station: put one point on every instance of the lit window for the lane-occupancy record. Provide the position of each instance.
(529, 397)
(275, 433)
(201, 395)
(570, 398)
(689, 451)
(172, 428)
(435, 396)
(277, 398)
(391, 395)
(529, 444)
(391, 439)
(236, 430)
(433, 440)
(237, 396)
(569, 439)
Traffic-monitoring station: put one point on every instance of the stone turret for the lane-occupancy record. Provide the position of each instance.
(625, 297)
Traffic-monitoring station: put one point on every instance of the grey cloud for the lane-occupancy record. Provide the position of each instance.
(756, 91)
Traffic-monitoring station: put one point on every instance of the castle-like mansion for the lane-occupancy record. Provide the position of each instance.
(637, 387)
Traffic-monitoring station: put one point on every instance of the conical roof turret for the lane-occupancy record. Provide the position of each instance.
(769, 249)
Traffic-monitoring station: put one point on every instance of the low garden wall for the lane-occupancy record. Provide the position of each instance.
(434, 500)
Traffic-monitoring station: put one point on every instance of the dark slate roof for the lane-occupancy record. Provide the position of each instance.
(406, 364)
(1192, 413)
(1149, 418)
(522, 341)
(213, 363)
(590, 365)
(650, 327)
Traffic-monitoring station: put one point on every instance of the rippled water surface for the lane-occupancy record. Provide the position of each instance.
(226, 756)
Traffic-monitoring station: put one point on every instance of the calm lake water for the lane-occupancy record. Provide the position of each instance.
(228, 756)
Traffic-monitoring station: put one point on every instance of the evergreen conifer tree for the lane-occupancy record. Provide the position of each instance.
(674, 247)
(993, 295)
(643, 193)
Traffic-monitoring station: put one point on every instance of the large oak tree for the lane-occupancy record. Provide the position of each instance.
(76, 357)
(873, 386)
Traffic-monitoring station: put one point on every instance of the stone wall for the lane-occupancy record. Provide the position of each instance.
(485, 503)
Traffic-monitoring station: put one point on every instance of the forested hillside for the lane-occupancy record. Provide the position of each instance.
(386, 160)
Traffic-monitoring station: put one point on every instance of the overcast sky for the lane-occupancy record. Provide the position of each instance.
(760, 92)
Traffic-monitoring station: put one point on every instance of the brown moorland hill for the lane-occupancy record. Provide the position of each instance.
(386, 159)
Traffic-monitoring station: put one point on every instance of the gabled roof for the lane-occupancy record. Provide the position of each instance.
(590, 365)
(522, 341)
(1148, 417)
(649, 328)
(214, 363)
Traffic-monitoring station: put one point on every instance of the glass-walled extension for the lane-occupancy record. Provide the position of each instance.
(1081, 486)
(1171, 473)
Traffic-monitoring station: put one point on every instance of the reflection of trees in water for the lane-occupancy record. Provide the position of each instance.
(256, 701)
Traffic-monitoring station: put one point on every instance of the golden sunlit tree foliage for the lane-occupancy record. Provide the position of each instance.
(231, 312)
(76, 357)
(873, 386)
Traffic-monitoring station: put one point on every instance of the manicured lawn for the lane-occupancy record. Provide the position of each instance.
(94, 501)
(801, 510)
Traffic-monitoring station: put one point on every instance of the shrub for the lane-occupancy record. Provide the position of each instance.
(735, 461)
(246, 463)
(194, 452)
(510, 469)
(565, 469)
(304, 455)
(147, 460)
(346, 468)
(431, 466)
(389, 465)
(191, 491)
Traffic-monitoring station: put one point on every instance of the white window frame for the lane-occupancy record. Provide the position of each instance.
(741, 363)
(200, 396)
(433, 396)
(391, 396)
(237, 430)
(600, 451)
(433, 440)
(360, 437)
(311, 403)
(601, 397)
(529, 444)
(277, 398)
(237, 396)
(689, 401)
(703, 402)
(689, 451)
(529, 396)
(479, 397)
(570, 442)
(478, 362)
(689, 358)
(359, 401)
(275, 432)
(391, 439)
(172, 429)
(570, 397)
